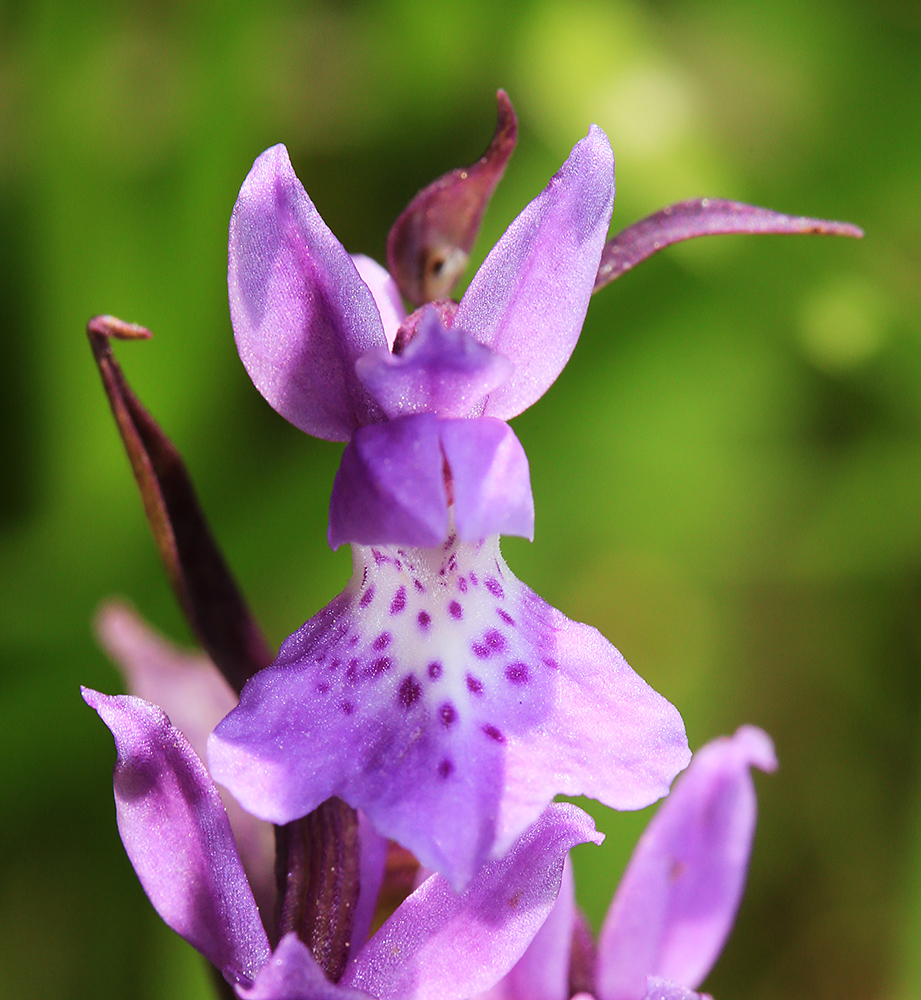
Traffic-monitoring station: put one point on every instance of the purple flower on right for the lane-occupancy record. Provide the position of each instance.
(675, 905)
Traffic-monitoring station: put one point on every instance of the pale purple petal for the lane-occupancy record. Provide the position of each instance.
(186, 685)
(491, 479)
(610, 736)
(390, 488)
(662, 989)
(292, 973)
(440, 945)
(195, 696)
(702, 217)
(443, 371)
(529, 299)
(176, 833)
(678, 899)
(450, 703)
(373, 862)
(301, 314)
(542, 972)
(385, 292)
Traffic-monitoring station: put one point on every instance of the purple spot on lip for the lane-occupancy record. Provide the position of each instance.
(410, 691)
(435, 670)
(505, 616)
(399, 601)
(462, 584)
(445, 768)
(473, 579)
(455, 610)
(493, 733)
(351, 671)
(548, 662)
(480, 651)
(474, 684)
(451, 539)
(448, 714)
(347, 707)
(452, 562)
(353, 640)
(424, 619)
(418, 585)
(495, 639)
(494, 587)
(517, 673)
(380, 666)
(364, 576)
(379, 557)
(382, 641)
(367, 597)
(323, 687)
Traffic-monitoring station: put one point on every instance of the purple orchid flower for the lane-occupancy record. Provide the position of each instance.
(437, 944)
(437, 693)
(677, 901)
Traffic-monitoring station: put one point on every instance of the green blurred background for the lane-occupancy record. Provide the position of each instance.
(727, 475)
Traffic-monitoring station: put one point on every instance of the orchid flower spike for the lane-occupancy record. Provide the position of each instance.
(437, 693)
(438, 944)
(677, 901)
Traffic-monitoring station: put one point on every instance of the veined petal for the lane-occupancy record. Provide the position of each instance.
(386, 294)
(529, 299)
(440, 945)
(450, 703)
(491, 479)
(442, 371)
(301, 314)
(292, 973)
(389, 488)
(177, 835)
(678, 899)
(195, 696)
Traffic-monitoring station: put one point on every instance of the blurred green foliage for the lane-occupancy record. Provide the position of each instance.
(727, 475)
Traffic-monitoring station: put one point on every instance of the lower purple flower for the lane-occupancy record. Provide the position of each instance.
(677, 901)
(450, 703)
(438, 944)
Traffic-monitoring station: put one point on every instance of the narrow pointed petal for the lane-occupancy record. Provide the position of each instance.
(389, 488)
(702, 217)
(447, 701)
(677, 901)
(542, 972)
(440, 945)
(201, 580)
(428, 246)
(442, 371)
(292, 973)
(189, 688)
(529, 299)
(177, 835)
(386, 294)
(301, 314)
(491, 479)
